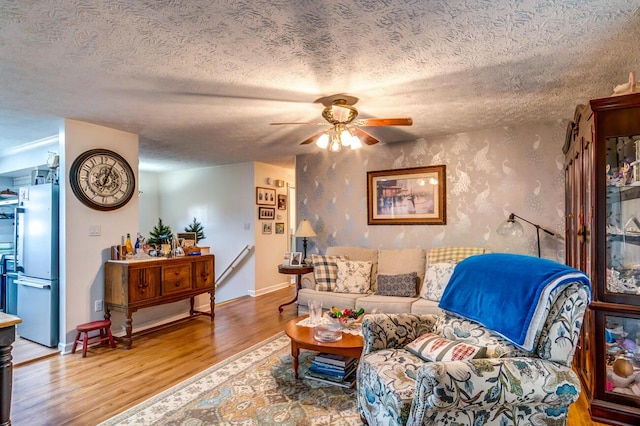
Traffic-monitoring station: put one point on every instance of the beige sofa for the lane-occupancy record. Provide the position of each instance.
(387, 263)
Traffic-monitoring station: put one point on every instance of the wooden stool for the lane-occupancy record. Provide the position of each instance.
(104, 326)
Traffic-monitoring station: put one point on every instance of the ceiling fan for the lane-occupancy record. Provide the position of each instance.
(345, 128)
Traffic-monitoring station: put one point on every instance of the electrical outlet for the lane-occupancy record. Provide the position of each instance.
(97, 306)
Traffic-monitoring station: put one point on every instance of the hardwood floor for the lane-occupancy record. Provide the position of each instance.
(71, 390)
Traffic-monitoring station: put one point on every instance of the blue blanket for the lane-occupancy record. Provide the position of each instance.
(507, 293)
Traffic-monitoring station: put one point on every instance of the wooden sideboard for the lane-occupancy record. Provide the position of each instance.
(134, 284)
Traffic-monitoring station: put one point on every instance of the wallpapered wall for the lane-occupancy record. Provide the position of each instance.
(489, 174)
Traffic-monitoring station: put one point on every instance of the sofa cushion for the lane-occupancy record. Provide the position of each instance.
(353, 277)
(389, 304)
(451, 254)
(436, 278)
(424, 306)
(404, 261)
(403, 285)
(328, 299)
(325, 271)
(358, 253)
(432, 347)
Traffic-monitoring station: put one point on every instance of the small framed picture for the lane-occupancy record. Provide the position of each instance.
(266, 227)
(265, 196)
(286, 259)
(279, 228)
(282, 202)
(267, 213)
(295, 258)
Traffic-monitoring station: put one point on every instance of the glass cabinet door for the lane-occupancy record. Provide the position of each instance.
(622, 218)
(622, 358)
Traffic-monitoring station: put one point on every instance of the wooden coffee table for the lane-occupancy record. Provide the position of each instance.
(302, 338)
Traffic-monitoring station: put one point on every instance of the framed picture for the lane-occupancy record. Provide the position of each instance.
(266, 213)
(266, 227)
(295, 258)
(279, 228)
(282, 202)
(265, 196)
(414, 196)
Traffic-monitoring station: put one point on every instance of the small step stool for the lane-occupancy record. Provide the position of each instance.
(104, 326)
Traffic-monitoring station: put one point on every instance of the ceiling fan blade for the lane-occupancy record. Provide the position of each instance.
(312, 139)
(364, 136)
(384, 122)
(309, 123)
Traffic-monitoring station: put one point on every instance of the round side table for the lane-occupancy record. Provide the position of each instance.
(298, 271)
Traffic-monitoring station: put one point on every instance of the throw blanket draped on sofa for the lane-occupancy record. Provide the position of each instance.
(507, 293)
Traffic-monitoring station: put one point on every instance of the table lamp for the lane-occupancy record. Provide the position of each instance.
(304, 231)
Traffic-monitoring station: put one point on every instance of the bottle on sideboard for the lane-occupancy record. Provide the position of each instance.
(128, 246)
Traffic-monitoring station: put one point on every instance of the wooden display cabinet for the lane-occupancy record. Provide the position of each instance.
(603, 239)
(134, 284)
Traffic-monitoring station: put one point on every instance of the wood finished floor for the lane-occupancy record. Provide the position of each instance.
(70, 390)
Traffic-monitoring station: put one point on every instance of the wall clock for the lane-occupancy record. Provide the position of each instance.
(102, 179)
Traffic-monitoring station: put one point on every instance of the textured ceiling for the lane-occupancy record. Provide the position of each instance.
(201, 80)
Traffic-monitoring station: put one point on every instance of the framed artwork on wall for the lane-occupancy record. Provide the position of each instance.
(282, 202)
(266, 227)
(279, 227)
(413, 196)
(265, 196)
(268, 213)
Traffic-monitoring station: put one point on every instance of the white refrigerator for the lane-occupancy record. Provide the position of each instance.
(36, 243)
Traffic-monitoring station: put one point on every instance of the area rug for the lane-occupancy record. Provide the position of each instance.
(254, 387)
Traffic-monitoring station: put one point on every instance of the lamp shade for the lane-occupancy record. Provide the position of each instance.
(305, 229)
(510, 228)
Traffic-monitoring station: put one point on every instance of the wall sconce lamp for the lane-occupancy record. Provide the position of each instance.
(512, 228)
(304, 231)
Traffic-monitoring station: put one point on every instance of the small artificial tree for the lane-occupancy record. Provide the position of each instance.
(161, 233)
(196, 227)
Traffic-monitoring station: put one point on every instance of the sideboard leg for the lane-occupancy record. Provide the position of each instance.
(7, 337)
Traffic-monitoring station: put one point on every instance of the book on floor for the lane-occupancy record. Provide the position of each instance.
(346, 382)
(339, 360)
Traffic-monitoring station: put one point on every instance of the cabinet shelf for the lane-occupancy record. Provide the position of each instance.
(622, 193)
(630, 239)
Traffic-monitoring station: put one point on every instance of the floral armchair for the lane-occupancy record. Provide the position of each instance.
(507, 386)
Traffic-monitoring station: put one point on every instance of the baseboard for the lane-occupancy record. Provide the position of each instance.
(280, 286)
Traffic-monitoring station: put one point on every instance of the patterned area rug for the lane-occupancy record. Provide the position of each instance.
(254, 387)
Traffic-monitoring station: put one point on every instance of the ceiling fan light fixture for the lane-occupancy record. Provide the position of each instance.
(335, 146)
(345, 137)
(323, 141)
(355, 142)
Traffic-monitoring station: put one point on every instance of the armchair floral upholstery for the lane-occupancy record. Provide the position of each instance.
(509, 386)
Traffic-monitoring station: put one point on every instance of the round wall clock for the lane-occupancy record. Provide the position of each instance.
(102, 179)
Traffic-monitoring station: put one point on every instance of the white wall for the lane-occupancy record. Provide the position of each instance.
(82, 256)
(148, 201)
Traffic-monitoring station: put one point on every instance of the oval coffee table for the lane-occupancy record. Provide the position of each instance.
(302, 338)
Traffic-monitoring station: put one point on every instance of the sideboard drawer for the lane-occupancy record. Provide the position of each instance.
(176, 279)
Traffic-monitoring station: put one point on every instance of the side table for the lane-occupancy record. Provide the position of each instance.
(298, 271)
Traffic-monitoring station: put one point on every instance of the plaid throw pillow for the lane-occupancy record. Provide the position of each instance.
(432, 347)
(402, 285)
(325, 271)
(451, 254)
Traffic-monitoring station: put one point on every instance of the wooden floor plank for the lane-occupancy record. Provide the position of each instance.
(71, 390)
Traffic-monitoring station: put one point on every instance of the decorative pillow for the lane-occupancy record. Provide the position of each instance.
(452, 254)
(432, 347)
(436, 278)
(353, 277)
(402, 285)
(325, 271)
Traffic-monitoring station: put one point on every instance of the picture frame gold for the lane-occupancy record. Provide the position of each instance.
(410, 196)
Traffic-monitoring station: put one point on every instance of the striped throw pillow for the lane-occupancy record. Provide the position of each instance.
(432, 347)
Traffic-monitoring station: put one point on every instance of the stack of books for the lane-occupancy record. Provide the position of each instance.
(333, 369)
